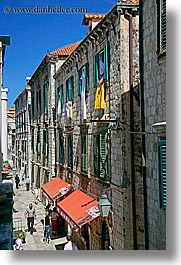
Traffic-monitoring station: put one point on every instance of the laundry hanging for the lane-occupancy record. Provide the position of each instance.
(69, 109)
(99, 98)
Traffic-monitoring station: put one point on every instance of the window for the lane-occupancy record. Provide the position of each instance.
(32, 140)
(101, 156)
(161, 27)
(84, 153)
(83, 78)
(162, 172)
(60, 99)
(70, 89)
(38, 147)
(70, 150)
(101, 63)
(33, 104)
(45, 142)
(45, 95)
(61, 150)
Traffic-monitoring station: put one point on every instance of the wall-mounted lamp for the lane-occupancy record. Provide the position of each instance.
(104, 206)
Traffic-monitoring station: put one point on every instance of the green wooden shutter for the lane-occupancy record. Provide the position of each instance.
(163, 26)
(84, 160)
(71, 95)
(70, 150)
(62, 95)
(162, 172)
(61, 153)
(44, 142)
(96, 69)
(104, 155)
(46, 95)
(67, 91)
(87, 77)
(96, 155)
(106, 61)
(79, 82)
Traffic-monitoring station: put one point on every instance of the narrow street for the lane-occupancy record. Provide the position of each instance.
(22, 199)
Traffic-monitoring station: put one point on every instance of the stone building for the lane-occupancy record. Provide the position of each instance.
(11, 135)
(4, 41)
(98, 143)
(4, 131)
(153, 110)
(6, 187)
(23, 133)
(42, 116)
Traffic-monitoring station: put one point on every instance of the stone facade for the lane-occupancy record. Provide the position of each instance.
(11, 135)
(6, 240)
(122, 184)
(23, 133)
(154, 84)
(43, 135)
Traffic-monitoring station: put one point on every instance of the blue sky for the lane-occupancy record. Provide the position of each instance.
(34, 35)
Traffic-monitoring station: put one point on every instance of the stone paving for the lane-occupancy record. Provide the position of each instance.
(22, 198)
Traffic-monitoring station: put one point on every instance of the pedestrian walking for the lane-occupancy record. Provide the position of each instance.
(54, 221)
(30, 214)
(27, 181)
(36, 190)
(17, 181)
(18, 242)
(70, 245)
(47, 227)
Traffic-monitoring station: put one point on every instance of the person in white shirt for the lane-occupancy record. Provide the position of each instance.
(18, 243)
(70, 245)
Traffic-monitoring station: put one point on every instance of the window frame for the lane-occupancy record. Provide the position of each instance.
(86, 65)
(101, 146)
(96, 64)
(70, 150)
(161, 28)
(61, 149)
(84, 152)
(162, 173)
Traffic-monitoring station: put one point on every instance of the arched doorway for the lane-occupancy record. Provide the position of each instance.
(105, 236)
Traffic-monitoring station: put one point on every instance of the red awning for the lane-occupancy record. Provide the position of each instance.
(55, 189)
(78, 209)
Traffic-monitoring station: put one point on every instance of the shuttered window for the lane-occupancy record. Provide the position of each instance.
(38, 146)
(70, 89)
(70, 150)
(60, 99)
(101, 156)
(61, 149)
(162, 172)
(101, 62)
(85, 68)
(45, 142)
(84, 153)
(161, 27)
(45, 95)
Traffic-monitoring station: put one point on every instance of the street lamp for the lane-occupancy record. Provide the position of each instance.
(104, 206)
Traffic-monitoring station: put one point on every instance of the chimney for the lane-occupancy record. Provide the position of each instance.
(28, 79)
(92, 20)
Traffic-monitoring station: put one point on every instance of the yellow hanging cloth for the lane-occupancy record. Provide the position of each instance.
(99, 98)
(71, 109)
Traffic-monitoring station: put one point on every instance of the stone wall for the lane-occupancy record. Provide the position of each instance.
(155, 111)
(6, 242)
(117, 97)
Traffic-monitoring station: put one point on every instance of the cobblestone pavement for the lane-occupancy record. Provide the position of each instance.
(22, 198)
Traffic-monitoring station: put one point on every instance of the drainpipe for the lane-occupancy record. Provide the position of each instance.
(129, 17)
(141, 53)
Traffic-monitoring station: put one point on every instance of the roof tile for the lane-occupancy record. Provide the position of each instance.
(66, 50)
